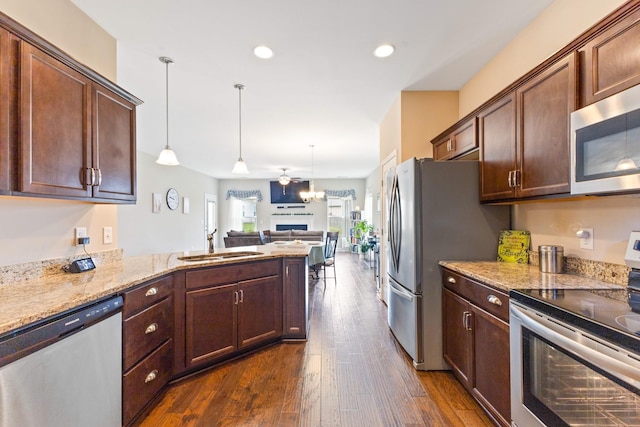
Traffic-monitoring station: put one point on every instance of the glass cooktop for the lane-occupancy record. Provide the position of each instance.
(605, 313)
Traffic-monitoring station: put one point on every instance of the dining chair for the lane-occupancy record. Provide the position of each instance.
(330, 255)
(265, 236)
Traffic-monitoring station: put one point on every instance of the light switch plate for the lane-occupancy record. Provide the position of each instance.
(107, 235)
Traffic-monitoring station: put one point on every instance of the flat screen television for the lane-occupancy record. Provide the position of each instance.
(289, 193)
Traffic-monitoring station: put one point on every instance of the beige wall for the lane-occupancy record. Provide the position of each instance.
(424, 115)
(390, 131)
(68, 28)
(556, 222)
(33, 228)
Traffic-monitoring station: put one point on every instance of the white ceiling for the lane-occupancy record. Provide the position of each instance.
(323, 86)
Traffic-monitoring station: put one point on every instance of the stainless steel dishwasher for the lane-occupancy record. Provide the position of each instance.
(65, 370)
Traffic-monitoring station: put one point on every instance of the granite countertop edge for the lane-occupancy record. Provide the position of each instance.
(28, 301)
(508, 276)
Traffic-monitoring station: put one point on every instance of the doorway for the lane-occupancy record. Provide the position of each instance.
(210, 218)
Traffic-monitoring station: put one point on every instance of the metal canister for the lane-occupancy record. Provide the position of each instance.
(551, 258)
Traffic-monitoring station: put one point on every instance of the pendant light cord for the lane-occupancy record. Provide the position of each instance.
(166, 63)
(240, 87)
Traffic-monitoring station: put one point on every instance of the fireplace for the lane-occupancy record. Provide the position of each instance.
(284, 227)
(291, 221)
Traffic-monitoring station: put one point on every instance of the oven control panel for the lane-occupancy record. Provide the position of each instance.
(632, 256)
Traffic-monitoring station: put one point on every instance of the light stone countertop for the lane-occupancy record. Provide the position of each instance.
(507, 276)
(23, 301)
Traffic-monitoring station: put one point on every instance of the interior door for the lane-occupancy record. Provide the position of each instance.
(210, 218)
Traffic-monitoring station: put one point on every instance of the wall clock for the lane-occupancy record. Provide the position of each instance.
(172, 199)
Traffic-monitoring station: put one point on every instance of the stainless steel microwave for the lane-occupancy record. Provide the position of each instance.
(605, 145)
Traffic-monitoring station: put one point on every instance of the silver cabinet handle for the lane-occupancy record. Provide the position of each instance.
(451, 279)
(99, 178)
(235, 294)
(151, 328)
(151, 292)
(466, 320)
(151, 376)
(241, 295)
(494, 300)
(93, 177)
(515, 177)
(509, 179)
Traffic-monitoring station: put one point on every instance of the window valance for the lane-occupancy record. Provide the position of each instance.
(341, 193)
(244, 194)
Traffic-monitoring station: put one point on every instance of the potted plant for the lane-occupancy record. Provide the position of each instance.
(362, 230)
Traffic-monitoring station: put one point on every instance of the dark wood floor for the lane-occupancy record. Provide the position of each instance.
(351, 372)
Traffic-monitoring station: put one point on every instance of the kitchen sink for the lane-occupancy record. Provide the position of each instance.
(218, 257)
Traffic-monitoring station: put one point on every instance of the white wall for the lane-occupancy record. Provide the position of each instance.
(265, 209)
(142, 232)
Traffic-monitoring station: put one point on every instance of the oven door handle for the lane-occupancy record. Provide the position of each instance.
(623, 371)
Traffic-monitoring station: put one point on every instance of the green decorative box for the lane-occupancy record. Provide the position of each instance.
(513, 246)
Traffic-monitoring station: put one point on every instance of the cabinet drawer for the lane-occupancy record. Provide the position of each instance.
(146, 295)
(145, 380)
(146, 330)
(489, 299)
(231, 273)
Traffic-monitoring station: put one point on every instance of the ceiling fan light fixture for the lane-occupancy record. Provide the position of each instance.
(167, 157)
(263, 52)
(240, 167)
(284, 178)
(384, 50)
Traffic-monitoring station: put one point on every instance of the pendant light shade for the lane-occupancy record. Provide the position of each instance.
(167, 156)
(240, 167)
(312, 195)
(626, 162)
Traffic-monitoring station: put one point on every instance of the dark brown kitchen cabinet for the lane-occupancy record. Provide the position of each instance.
(524, 136)
(610, 62)
(231, 309)
(8, 110)
(497, 135)
(459, 141)
(476, 341)
(147, 344)
(77, 139)
(296, 298)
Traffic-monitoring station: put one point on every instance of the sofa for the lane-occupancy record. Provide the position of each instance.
(251, 238)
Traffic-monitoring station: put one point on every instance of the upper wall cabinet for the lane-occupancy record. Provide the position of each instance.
(7, 112)
(461, 140)
(77, 139)
(69, 132)
(524, 136)
(611, 61)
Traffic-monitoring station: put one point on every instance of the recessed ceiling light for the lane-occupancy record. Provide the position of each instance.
(263, 52)
(384, 50)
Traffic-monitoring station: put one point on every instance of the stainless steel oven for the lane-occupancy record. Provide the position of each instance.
(605, 145)
(563, 375)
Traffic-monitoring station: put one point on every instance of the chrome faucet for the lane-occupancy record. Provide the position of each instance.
(210, 239)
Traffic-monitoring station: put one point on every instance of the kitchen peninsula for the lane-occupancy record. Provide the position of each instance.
(179, 315)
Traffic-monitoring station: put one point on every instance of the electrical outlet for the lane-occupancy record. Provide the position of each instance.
(107, 235)
(586, 238)
(79, 232)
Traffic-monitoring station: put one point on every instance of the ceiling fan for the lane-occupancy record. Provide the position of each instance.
(285, 179)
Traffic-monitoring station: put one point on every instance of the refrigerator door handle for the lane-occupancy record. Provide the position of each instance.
(395, 225)
(401, 292)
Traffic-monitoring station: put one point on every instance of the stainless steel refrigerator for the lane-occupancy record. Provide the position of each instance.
(434, 214)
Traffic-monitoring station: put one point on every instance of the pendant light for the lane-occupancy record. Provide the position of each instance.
(311, 195)
(167, 156)
(626, 162)
(240, 167)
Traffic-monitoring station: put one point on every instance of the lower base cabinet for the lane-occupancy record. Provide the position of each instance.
(476, 341)
(230, 309)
